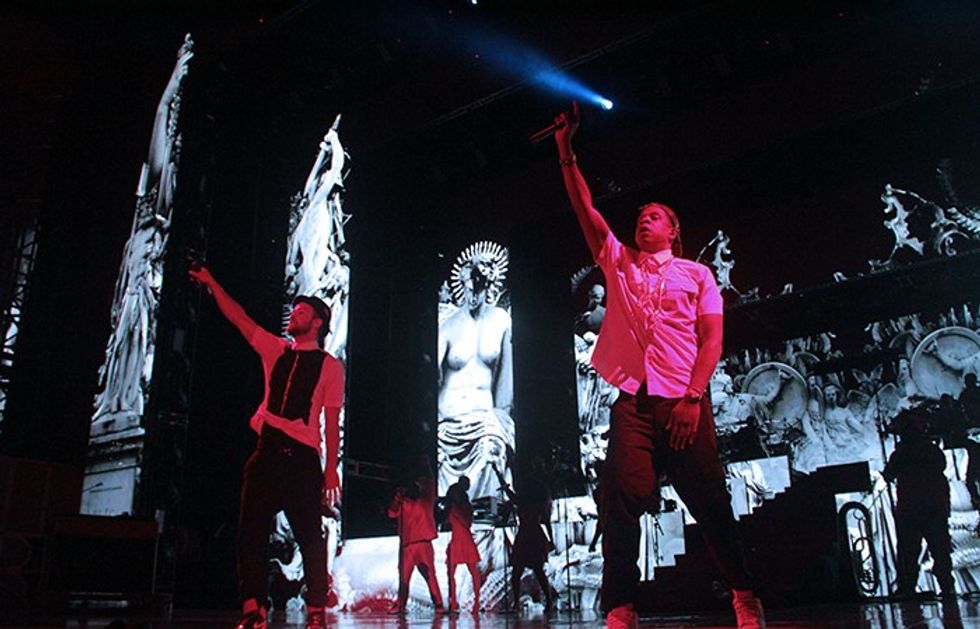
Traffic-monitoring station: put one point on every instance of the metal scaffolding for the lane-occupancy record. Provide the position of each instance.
(18, 284)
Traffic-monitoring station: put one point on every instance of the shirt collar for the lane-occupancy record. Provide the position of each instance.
(303, 347)
(654, 261)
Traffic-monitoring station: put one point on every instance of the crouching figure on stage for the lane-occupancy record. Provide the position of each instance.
(660, 340)
(283, 474)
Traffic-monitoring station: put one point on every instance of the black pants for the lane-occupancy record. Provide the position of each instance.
(639, 452)
(911, 527)
(973, 472)
(281, 475)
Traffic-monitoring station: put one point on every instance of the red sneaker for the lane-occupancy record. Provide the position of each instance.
(748, 610)
(622, 617)
(315, 618)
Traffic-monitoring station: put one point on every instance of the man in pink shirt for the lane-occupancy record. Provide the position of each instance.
(660, 340)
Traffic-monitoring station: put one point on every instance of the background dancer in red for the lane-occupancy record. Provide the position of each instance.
(283, 474)
(660, 340)
(462, 549)
(414, 508)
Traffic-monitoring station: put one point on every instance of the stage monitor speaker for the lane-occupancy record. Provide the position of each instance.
(99, 557)
(33, 491)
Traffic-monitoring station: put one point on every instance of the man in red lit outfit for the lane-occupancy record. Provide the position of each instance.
(414, 508)
(659, 343)
(283, 474)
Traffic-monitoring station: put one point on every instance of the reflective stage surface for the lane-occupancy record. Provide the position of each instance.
(960, 613)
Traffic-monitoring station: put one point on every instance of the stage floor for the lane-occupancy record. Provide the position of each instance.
(961, 613)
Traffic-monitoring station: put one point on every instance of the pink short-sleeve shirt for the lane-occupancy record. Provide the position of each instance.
(650, 328)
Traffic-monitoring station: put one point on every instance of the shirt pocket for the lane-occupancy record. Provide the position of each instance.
(680, 297)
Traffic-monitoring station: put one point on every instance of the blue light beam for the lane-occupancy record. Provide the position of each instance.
(527, 64)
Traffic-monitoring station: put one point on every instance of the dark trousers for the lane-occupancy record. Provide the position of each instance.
(911, 527)
(973, 472)
(281, 475)
(639, 452)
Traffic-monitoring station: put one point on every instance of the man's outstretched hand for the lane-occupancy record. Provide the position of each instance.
(201, 275)
(567, 123)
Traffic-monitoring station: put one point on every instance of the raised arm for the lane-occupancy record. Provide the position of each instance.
(230, 308)
(594, 227)
(160, 140)
(947, 359)
(503, 483)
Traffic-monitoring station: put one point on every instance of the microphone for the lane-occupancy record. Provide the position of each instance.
(546, 132)
(558, 123)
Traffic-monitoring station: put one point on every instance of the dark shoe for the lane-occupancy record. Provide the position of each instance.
(251, 620)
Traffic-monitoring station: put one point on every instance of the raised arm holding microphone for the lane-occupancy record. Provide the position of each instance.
(283, 474)
(660, 340)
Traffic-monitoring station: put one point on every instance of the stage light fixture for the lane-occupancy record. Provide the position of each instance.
(605, 103)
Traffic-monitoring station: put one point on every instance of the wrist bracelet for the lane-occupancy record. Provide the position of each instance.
(568, 161)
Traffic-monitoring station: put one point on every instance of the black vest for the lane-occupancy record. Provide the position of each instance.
(292, 382)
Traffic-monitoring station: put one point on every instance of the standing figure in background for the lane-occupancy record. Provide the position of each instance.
(475, 375)
(969, 400)
(661, 339)
(462, 549)
(302, 384)
(922, 509)
(590, 320)
(533, 540)
(414, 508)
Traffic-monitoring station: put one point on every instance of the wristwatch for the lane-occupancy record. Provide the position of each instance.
(693, 395)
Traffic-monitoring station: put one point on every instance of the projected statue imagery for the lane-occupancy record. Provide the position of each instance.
(317, 260)
(117, 427)
(776, 410)
(475, 428)
(125, 374)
